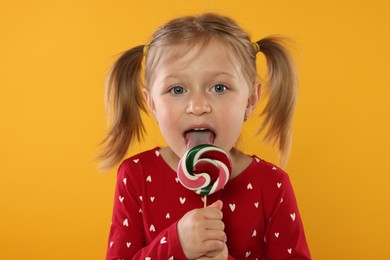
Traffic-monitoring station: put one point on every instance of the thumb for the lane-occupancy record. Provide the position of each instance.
(218, 205)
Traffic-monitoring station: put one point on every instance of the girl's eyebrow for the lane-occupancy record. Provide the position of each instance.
(218, 73)
(210, 74)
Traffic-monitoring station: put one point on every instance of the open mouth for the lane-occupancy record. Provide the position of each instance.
(197, 136)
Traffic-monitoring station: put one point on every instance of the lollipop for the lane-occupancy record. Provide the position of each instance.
(204, 169)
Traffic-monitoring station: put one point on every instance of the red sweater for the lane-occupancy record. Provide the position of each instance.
(260, 212)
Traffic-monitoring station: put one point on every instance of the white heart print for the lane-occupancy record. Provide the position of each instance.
(152, 229)
(125, 223)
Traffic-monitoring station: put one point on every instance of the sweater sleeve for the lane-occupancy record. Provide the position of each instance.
(127, 235)
(284, 236)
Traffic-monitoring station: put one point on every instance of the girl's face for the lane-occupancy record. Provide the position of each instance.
(200, 95)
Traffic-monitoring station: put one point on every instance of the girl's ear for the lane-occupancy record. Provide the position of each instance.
(253, 99)
(149, 101)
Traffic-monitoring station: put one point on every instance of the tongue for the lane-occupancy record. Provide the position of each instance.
(195, 138)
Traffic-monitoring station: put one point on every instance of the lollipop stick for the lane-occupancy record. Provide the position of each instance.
(205, 200)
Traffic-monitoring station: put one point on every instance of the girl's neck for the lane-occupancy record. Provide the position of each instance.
(240, 161)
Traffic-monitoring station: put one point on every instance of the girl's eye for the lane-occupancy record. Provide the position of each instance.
(219, 88)
(177, 90)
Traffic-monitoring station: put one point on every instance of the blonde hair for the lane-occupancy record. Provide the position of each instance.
(124, 100)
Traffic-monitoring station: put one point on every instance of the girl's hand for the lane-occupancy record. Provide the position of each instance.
(216, 255)
(202, 231)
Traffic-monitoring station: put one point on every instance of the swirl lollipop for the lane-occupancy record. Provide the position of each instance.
(204, 169)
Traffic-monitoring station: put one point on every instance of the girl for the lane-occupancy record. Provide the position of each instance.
(200, 83)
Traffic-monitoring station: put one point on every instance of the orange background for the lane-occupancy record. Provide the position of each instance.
(54, 56)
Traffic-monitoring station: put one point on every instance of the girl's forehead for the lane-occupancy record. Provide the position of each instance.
(208, 52)
(215, 55)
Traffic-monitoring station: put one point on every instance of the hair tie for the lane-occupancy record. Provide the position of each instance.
(146, 47)
(256, 47)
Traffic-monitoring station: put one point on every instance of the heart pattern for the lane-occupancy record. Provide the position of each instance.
(152, 228)
(248, 186)
(125, 223)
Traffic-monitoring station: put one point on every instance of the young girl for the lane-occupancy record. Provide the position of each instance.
(200, 83)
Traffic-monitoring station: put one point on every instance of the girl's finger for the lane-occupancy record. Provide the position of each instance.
(216, 235)
(214, 225)
(213, 245)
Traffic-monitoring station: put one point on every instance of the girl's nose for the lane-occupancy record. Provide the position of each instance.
(198, 105)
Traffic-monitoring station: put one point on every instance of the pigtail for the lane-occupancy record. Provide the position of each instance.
(124, 103)
(282, 80)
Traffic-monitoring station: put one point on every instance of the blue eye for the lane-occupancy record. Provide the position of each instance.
(177, 90)
(219, 88)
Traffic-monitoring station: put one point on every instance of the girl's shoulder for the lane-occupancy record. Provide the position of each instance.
(263, 167)
(140, 163)
(142, 157)
(262, 172)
